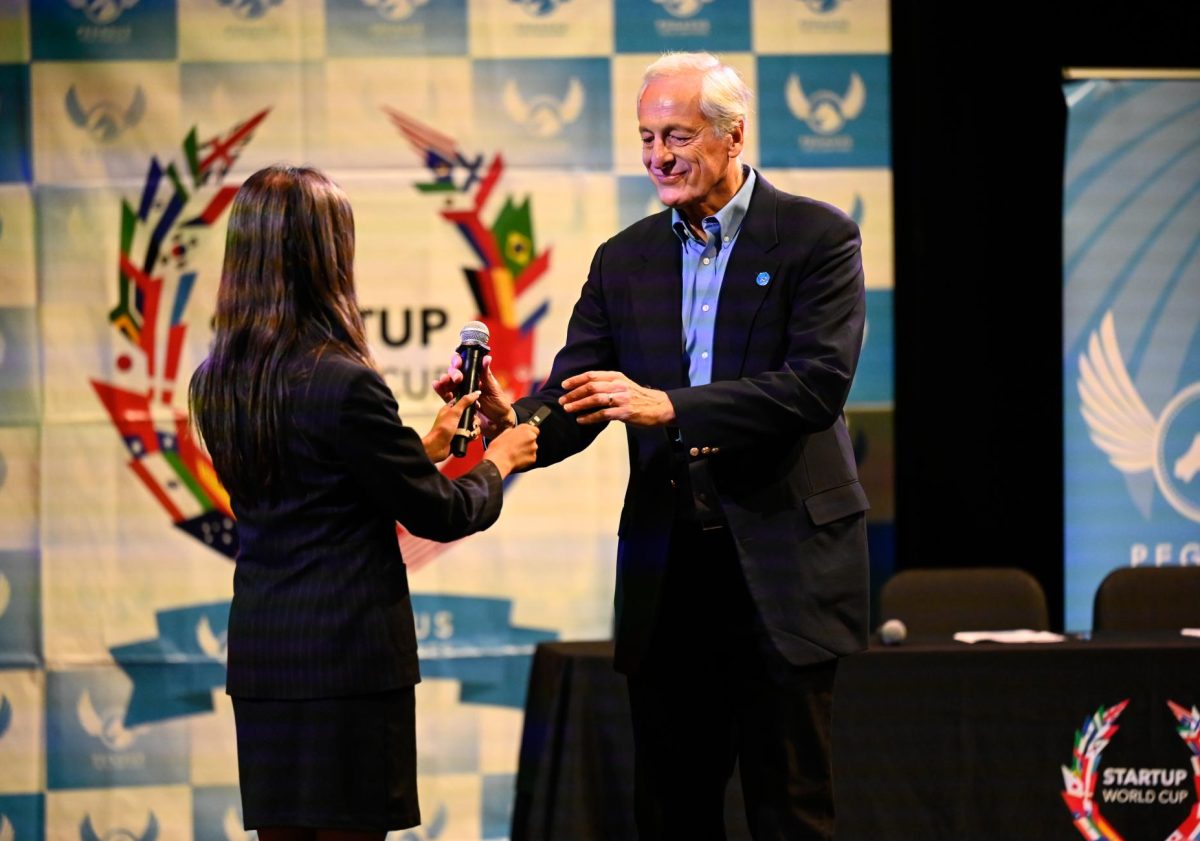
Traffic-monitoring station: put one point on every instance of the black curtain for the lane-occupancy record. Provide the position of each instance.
(979, 122)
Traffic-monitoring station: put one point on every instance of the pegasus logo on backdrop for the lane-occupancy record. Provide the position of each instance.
(825, 112)
(854, 206)
(395, 9)
(683, 8)
(1120, 423)
(102, 12)
(249, 9)
(232, 827)
(857, 210)
(544, 116)
(213, 645)
(88, 833)
(540, 8)
(107, 726)
(105, 121)
(821, 7)
(1189, 463)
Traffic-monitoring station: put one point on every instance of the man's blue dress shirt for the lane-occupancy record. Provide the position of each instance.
(703, 272)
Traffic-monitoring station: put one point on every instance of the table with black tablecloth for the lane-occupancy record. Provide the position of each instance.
(933, 739)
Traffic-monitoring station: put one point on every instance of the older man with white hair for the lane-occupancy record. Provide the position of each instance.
(724, 333)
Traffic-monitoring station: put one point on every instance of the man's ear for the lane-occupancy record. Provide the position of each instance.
(737, 139)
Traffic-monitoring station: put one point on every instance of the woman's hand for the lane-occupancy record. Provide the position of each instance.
(513, 449)
(437, 440)
(495, 412)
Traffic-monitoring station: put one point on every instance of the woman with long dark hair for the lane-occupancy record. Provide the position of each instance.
(305, 436)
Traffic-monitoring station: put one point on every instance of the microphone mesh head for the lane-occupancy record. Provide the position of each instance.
(474, 333)
(893, 631)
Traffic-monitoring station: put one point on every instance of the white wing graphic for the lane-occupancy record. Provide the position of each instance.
(796, 99)
(208, 641)
(232, 826)
(572, 106)
(1118, 421)
(111, 732)
(89, 719)
(514, 104)
(855, 98)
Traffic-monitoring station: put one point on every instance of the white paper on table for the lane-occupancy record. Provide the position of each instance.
(1021, 635)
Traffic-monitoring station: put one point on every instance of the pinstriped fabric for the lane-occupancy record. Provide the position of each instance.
(321, 605)
(328, 763)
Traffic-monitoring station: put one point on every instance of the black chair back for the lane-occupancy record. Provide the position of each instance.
(943, 601)
(1148, 599)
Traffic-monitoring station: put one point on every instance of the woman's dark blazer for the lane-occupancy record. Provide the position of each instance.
(321, 604)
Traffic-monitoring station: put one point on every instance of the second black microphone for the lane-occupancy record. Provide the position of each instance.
(472, 347)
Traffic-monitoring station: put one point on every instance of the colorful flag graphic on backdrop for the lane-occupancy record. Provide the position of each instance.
(154, 285)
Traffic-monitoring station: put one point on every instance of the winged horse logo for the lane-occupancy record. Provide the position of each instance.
(1123, 427)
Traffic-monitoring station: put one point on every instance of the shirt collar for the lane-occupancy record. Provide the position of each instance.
(728, 219)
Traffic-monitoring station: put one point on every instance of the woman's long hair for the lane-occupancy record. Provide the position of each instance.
(286, 294)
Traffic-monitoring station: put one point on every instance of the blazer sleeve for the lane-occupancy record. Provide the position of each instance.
(388, 461)
(588, 347)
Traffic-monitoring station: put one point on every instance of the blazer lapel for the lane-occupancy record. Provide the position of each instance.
(749, 275)
(657, 298)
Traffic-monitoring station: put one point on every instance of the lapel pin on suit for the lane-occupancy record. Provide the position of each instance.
(763, 279)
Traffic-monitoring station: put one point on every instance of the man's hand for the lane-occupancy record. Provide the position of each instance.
(599, 396)
(495, 412)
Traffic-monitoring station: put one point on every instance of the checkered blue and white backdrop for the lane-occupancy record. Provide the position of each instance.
(488, 146)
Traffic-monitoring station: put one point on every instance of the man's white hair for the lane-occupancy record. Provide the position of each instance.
(724, 96)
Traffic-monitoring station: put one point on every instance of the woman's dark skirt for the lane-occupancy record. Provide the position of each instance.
(328, 763)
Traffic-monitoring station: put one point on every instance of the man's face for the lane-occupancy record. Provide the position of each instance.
(694, 170)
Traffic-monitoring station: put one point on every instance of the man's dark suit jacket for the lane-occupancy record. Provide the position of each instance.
(767, 437)
(321, 605)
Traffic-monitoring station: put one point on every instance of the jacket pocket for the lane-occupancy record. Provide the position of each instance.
(835, 503)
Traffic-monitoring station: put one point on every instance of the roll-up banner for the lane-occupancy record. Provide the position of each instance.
(1131, 313)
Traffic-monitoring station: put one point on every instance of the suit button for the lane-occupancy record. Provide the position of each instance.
(672, 483)
(694, 452)
(706, 450)
(716, 450)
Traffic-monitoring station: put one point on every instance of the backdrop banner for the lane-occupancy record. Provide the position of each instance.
(488, 147)
(1131, 343)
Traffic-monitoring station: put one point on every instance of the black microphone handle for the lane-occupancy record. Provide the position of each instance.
(472, 366)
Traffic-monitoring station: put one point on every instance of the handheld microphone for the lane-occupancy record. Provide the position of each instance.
(543, 412)
(893, 632)
(472, 347)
